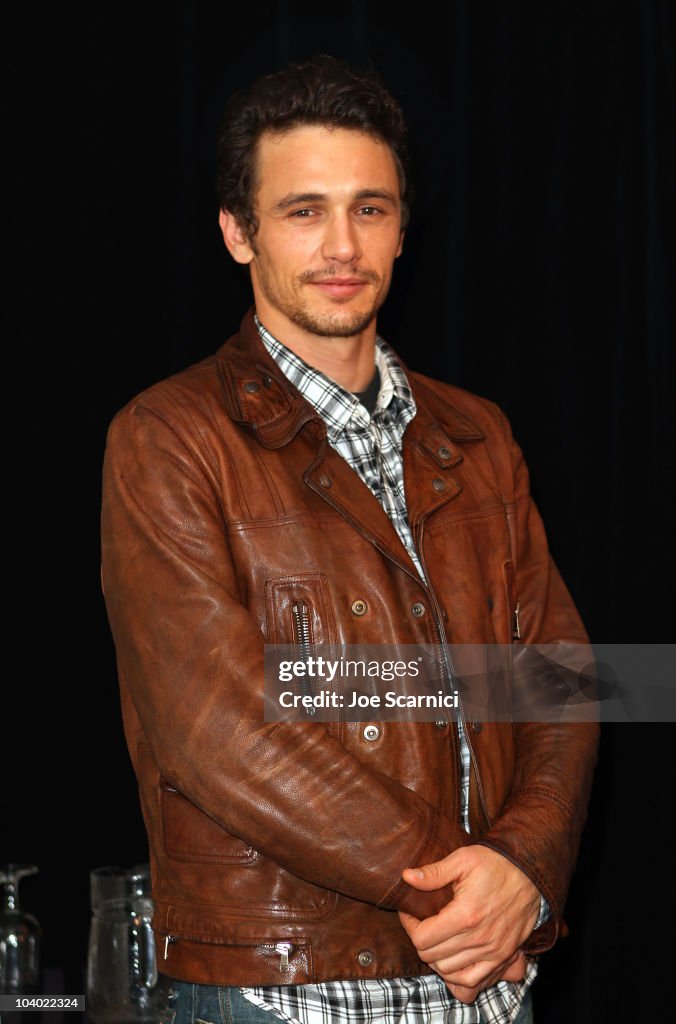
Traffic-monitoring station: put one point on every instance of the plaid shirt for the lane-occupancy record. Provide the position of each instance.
(372, 446)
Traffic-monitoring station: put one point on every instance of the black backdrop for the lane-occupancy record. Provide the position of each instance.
(538, 271)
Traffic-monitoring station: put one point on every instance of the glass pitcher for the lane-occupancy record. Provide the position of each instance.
(123, 985)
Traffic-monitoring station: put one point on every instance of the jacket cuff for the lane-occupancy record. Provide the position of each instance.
(442, 838)
(546, 930)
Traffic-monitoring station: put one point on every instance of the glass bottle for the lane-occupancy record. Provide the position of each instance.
(19, 935)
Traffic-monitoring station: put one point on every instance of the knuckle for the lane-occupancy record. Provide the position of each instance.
(463, 994)
(471, 920)
(425, 955)
(472, 977)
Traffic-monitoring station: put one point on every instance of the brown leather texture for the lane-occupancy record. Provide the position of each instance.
(223, 505)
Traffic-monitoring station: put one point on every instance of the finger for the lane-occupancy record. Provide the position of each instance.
(456, 927)
(476, 976)
(436, 936)
(483, 974)
(459, 930)
(465, 995)
(431, 876)
(432, 942)
(455, 955)
(409, 922)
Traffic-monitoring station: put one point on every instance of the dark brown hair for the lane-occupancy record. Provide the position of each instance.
(323, 91)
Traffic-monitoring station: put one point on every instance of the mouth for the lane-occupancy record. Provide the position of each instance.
(340, 287)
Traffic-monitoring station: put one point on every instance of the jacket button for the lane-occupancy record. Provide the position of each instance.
(325, 481)
(444, 453)
(365, 958)
(252, 387)
(438, 484)
(371, 733)
(267, 381)
(477, 726)
(359, 607)
(440, 723)
(418, 609)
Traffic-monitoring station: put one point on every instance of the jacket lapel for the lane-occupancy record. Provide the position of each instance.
(340, 486)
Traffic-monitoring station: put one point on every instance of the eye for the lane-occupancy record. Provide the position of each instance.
(303, 213)
(368, 211)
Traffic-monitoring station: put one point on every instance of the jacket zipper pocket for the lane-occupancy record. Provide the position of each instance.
(283, 949)
(513, 603)
(516, 625)
(303, 640)
(301, 628)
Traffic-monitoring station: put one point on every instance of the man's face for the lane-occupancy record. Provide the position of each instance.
(329, 215)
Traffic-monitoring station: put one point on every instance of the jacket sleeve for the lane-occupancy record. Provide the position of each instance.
(540, 826)
(191, 655)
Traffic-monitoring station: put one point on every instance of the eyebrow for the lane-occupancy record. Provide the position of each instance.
(296, 198)
(377, 193)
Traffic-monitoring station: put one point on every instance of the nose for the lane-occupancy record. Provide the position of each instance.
(341, 241)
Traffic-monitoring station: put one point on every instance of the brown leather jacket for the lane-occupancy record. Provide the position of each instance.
(223, 507)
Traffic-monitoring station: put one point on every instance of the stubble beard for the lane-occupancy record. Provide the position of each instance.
(331, 325)
(325, 325)
(337, 325)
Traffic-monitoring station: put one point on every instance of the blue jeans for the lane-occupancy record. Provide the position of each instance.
(211, 1004)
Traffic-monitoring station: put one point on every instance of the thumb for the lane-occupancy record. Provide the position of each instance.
(429, 876)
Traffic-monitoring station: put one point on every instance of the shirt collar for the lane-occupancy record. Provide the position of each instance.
(337, 407)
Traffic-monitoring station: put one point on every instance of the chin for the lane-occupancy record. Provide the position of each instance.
(334, 325)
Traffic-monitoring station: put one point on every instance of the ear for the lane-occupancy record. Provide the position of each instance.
(401, 243)
(236, 241)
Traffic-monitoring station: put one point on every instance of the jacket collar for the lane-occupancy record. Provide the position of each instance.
(258, 396)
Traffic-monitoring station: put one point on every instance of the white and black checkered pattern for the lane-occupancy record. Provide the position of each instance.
(424, 1000)
(372, 446)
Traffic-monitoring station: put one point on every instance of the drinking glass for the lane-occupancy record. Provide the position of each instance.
(19, 935)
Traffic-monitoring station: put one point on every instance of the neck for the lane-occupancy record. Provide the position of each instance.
(347, 361)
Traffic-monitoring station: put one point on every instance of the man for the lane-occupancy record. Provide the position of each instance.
(302, 485)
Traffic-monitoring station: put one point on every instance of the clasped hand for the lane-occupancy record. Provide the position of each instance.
(474, 941)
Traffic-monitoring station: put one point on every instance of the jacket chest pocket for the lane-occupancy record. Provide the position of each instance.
(299, 610)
